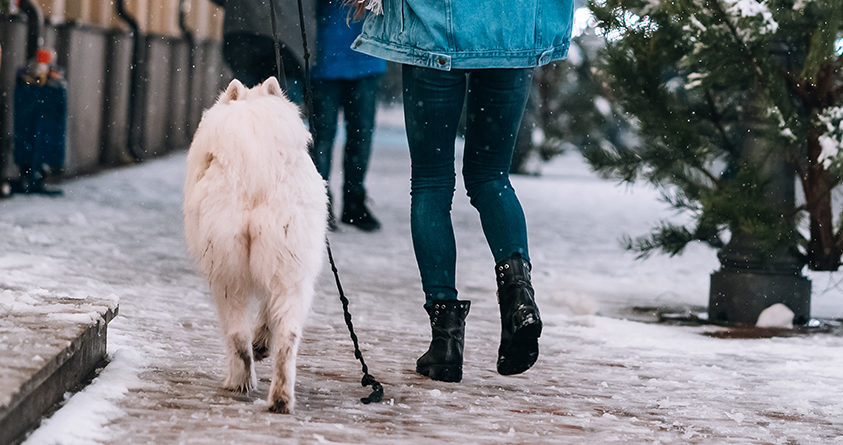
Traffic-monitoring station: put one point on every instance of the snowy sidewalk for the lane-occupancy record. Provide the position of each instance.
(599, 379)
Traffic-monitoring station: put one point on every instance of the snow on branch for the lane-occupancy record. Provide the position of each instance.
(753, 13)
(830, 121)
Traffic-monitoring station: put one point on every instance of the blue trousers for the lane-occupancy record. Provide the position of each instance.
(357, 99)
(433, 101)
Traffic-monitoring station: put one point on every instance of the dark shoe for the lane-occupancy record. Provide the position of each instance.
(443, 360)
(32, 182)
(521, 324)
(356, 214)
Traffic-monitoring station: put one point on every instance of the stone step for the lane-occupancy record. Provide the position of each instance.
(48, 345)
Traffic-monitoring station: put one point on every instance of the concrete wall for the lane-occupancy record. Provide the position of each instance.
(157, 100)
(211, 75)
(97, 63)
(82, 51)
(115, 130)
(178, 129)
(13, 39)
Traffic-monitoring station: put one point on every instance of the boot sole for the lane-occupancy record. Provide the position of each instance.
(442, 373)
(523, 351)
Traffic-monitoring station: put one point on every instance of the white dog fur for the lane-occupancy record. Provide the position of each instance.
(255, 212)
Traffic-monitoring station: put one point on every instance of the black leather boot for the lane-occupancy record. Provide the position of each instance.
(521, 324)
(443, 360)
(355, 213)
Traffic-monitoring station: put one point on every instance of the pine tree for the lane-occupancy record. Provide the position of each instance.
(700, 77)
(568, 108)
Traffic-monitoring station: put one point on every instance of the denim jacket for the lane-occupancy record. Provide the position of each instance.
(468, 34)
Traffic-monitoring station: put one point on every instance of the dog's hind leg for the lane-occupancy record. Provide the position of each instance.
(261, 335)
(233, 306)
(287, 315)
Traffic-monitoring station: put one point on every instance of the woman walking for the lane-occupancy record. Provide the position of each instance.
(481, 54)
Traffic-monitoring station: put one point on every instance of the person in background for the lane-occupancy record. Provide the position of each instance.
(455, 53)
(248, 45)
(348, 81)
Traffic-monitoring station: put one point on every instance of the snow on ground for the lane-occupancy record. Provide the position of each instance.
(600, 378)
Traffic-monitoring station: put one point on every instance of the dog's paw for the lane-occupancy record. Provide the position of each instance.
(281, 406)
(239, 387)
(242, 383)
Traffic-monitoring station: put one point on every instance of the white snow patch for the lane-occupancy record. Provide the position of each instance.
(742, 9)
(775, 316)
(77, 219)
(695, 80)
(87, 317)
(736, 416)
(831, 141)
(82, 418)
(583, 19)
(650, 6)
(576, 303)
(575, 56)
(603, 106)
(697, 23)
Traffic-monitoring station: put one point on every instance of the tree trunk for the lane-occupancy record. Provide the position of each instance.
(751, 278)
(823, 252)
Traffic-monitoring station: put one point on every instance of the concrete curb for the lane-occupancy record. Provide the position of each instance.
(82, 348)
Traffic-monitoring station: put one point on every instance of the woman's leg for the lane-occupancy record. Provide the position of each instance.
(433, 101)
(326, 100)
(359, 107)
(495, 106)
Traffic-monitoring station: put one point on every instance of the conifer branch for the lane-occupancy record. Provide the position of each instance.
(716, 118)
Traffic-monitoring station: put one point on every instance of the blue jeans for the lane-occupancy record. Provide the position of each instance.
(433, 101)
(357, 97)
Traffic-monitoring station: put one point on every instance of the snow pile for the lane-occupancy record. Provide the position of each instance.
(41, 302)
(775, 316)
(83, 416)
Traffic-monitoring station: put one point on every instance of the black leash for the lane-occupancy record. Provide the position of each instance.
(279, 64)
(368, 379)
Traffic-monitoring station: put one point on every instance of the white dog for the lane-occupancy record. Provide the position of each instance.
(255, 213)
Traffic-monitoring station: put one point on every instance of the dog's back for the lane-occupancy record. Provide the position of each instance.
(254, 202)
